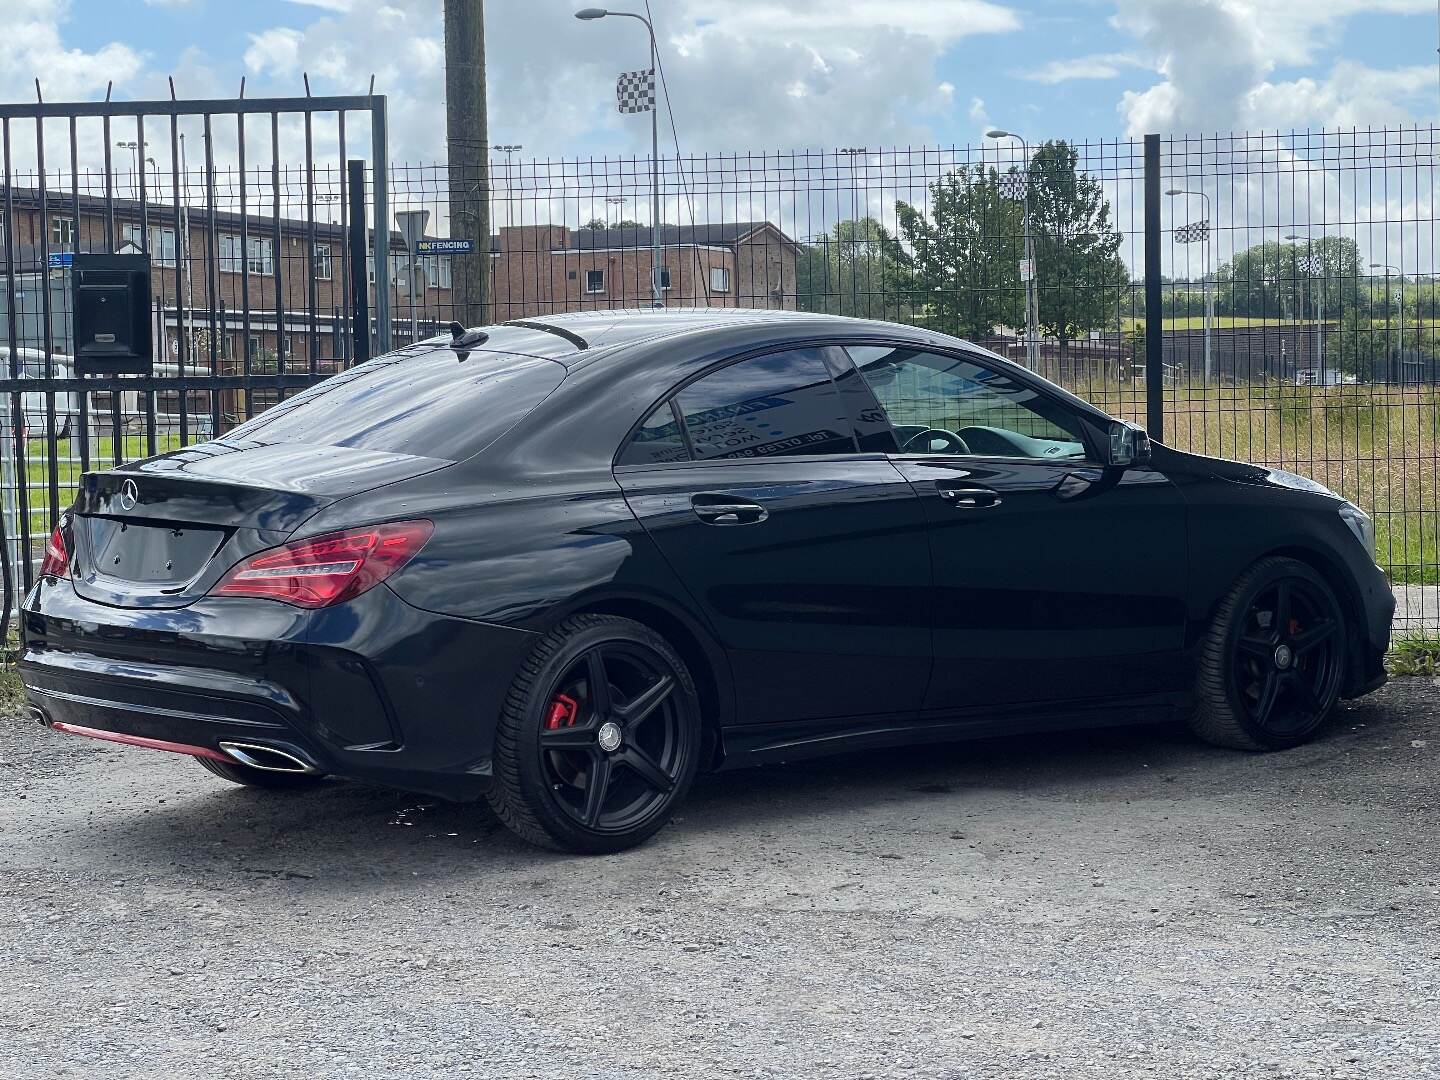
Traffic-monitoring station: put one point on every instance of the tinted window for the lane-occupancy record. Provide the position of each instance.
(657, 441)
(775, 405)
(422, 401)
(952, 405)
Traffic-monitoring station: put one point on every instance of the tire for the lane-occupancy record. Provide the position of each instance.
(593, 776)
(247, 776)
(1299, 650)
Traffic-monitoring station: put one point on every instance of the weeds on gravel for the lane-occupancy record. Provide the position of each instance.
(1417, 654)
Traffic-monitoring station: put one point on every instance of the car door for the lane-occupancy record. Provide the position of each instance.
(808, 556)
(1057, 578)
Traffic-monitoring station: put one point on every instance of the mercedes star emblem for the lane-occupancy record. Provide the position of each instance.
(129, 495)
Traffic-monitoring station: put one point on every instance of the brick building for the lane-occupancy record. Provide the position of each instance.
(276, 288)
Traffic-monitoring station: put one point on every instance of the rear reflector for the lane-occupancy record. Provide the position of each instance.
(329, 569)
(139, 740)
(57, 560)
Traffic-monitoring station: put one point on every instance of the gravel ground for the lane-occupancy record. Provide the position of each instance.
(1108, 904)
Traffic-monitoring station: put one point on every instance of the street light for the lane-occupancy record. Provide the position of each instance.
(509, 150)
(1319, 299)
(1032, 306)
(1204, 278)
(1399, 311)
(134, 147)
(656, 294)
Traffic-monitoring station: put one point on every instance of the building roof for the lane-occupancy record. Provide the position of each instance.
(259, 222)
(720, 234)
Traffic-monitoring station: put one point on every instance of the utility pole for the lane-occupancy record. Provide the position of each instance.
(468, 152)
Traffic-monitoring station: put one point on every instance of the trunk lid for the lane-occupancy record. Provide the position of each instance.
(159, 533)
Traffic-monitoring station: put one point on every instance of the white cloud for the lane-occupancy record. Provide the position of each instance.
(1096, 66)
(34, 47)
(1217, 59)
(275, 52)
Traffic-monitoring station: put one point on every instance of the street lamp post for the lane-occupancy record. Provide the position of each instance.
(656, 265)
(1032, 306)
(1319, 300)
(1204, 279)
(509, 150)
(135, 149)
(1399, 310)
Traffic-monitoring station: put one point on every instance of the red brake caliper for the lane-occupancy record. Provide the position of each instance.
(562, 712)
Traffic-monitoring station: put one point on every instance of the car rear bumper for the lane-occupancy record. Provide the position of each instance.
(372, 690)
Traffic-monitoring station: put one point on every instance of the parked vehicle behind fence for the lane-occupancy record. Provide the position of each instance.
(566, 563)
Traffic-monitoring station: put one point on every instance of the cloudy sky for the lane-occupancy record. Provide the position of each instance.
(767, 74)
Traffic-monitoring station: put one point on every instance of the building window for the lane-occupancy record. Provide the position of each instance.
(594, 281)
(719, 279)
(665, 278)
(321, 263)
(161, 246)
(231, 261)
(437, 270)
(62, 231)
(261, 257)
(370, 269)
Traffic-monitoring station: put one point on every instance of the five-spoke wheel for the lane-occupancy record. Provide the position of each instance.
(1272, 662)
(599, 739)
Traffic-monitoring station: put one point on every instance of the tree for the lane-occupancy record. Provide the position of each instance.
(600, 224)
(847, 272)
(1293, 280)
(958, 269)
(1077, 247)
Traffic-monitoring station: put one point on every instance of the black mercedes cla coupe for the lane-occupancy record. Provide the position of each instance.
(564, 563)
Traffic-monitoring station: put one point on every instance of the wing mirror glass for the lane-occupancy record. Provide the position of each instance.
(1129, 444)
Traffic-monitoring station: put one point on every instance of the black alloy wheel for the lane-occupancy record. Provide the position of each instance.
(599, 739)
(1273, 662)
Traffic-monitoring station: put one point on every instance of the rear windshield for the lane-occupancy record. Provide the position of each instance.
(422, 401)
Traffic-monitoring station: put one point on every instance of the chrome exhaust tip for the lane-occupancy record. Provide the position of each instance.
(267, 758)
(35, 713)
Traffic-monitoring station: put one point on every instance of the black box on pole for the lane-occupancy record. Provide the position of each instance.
(359, 257)
(112, 308)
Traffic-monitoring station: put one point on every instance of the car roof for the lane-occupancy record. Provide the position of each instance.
(579, 337)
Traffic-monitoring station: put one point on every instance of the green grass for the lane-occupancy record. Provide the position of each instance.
(68, 467)
(1417, 654)
(1220, 322)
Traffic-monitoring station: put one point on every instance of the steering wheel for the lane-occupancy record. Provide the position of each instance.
(954, 444)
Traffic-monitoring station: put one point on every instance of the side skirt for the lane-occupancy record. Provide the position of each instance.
(765, 744)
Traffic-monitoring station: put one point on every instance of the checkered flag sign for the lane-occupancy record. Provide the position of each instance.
(635, 91)
(1013, 184)
(1197, 232)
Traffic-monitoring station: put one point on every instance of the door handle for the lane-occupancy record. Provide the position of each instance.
(721, 509)
(968, 498)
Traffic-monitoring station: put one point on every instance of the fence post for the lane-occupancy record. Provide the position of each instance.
(1154, 304)
(359, 276)
(380, 162)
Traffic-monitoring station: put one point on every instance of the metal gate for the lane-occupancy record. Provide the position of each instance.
(254, 215)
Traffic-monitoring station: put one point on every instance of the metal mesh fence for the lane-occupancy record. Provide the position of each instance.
(1299, 294)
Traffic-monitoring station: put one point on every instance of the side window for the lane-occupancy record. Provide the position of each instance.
(952, 405)
(657, 441)
(776, 405)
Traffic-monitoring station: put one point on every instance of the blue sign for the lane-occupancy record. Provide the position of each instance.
(444, 247)
(61, 259)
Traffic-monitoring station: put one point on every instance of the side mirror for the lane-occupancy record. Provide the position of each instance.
(1129, 444)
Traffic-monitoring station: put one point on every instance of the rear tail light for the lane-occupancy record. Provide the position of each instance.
(56, 563)
(329, 569)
